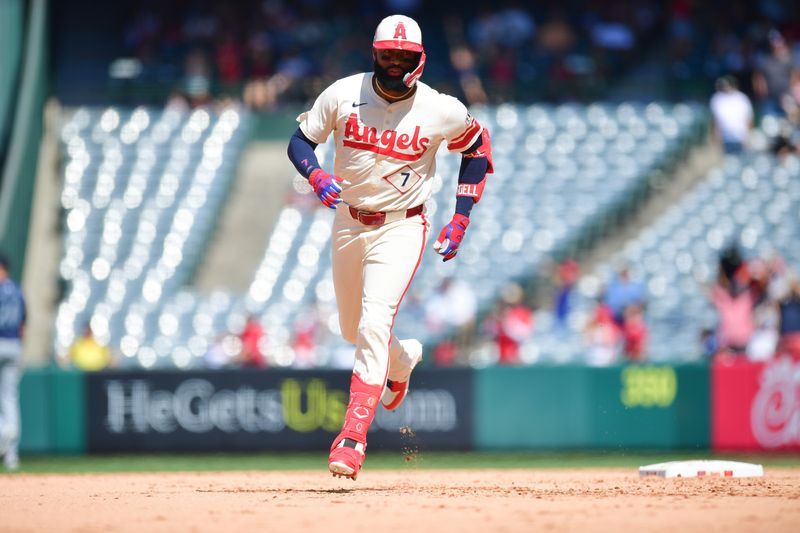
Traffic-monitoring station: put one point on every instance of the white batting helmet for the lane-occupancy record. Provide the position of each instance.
(399, 32)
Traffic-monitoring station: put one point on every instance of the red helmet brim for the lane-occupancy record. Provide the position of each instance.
(397, 44)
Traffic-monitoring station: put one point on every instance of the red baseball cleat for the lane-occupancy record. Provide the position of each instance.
(395, 391)
(346, 459)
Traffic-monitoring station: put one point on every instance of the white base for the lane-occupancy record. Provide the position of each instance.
(702, 469)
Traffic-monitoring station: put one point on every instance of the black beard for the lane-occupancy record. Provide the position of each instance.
(388, 82)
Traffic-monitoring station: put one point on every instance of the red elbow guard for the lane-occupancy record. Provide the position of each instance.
(487, 144)
(485, 150)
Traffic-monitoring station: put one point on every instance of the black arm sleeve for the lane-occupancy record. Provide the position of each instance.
(301, 153)
(473, 170)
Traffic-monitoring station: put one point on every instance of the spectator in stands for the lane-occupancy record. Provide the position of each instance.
(794, 101)
(500, 34)
(732, 273)
(445, 353)
(734, 306)
(757, 310)
(556, 35)
(178, 101)
(612, 33)
(634, 333)
(260, 57)
(229, 62)
(708, 343)
(264, 93)
(621, 292)
(304, 339)
(248, 41)
(502, 72)
(567, 274)
(88, 354)
(602, 337)
(780, 277)
(789, 321)
(732, 114)
(558, 55)
(756, 277)
(765, 276)
(774, 77)
(197, 78)
(253, 340)
(764, 340)
(510, 26)
(786, 142)
(511, 325)
(463, 61)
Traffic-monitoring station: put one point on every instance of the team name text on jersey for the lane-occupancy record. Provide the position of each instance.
(363, 137)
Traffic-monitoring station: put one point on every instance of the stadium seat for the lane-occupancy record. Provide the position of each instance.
(750, 200)
(142, 189)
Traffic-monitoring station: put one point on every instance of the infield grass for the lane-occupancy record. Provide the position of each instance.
(377, 460)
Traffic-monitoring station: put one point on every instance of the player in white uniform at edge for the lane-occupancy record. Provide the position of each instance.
(387, 126)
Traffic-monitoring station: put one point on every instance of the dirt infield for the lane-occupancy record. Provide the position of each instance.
(413, 500)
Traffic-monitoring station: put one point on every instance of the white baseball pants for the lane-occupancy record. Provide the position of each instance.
(9, 407)
(372, 269)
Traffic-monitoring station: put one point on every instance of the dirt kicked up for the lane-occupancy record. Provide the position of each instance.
(411, 501)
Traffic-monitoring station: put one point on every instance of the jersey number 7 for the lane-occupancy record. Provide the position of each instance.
(404, 179)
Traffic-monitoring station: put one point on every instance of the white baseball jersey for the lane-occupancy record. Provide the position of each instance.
(386, 152)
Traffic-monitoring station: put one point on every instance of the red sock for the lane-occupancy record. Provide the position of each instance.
(364, 399)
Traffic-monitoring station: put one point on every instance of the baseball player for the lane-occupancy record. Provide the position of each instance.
(387, 126)
(12, 321)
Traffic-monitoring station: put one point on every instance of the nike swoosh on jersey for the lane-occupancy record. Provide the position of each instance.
(359, 105)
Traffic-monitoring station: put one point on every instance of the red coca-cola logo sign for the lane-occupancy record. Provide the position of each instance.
(755, 406)
(775, 411)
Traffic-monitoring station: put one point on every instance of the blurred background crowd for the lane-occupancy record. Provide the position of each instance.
(608, 101)
(272, 52)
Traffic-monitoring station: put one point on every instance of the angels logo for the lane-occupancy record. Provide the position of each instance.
(389, 142)
(400, 31)
(775, 412)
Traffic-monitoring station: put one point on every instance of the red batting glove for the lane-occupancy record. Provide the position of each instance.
(450, 237)
(326, 187)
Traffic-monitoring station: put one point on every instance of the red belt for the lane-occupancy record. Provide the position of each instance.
(369, 218)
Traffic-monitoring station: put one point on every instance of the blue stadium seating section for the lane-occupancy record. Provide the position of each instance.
(142, 189)
(751, 200)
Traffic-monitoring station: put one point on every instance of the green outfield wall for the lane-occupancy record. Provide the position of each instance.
(645, 407)
(522, 408)
(53, 409)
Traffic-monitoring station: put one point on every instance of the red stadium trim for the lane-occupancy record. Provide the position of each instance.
(397, 44)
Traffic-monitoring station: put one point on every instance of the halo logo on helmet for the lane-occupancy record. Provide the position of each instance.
(398, 32)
